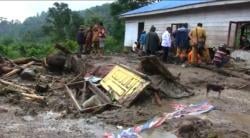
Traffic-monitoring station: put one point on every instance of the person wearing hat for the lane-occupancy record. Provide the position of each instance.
(221, 57)
(152, 41)
(81, 39)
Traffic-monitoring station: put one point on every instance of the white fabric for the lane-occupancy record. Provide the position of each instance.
(166, 39)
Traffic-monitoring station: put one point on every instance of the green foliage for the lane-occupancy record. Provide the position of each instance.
(37, 34)
(58, 20)
(6, 41)
(16, 50)
(71, 45)
(112, 45)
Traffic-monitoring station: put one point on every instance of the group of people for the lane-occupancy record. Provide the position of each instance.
(91, 40)
(190, 44)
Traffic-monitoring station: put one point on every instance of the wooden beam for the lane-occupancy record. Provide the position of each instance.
(104, 98)
(73, 98)
(229, 33)
(14, 71)
(11, 84)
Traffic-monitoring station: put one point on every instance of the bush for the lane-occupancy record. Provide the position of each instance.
(112, 45)
(71, 45)
(16, 50)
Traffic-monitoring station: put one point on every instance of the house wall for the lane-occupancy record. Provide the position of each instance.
(215, 20)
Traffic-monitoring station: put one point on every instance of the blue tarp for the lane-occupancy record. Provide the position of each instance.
(164, 5)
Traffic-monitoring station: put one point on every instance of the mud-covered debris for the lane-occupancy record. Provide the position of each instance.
(162, 79)
(28, 74)
(194, 127)
(3, 110)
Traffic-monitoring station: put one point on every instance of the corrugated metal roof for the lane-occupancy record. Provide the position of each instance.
(164, 5)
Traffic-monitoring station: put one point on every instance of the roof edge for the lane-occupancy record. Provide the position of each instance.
(186, 7)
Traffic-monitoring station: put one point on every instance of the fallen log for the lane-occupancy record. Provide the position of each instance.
(73, 98)
(225, 72)
(19, 87)
(14, 71)
(162, 79)
(152, 66)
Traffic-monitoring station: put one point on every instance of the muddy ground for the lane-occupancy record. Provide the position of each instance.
(57, 117)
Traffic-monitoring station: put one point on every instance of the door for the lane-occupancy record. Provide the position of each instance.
(130, 33)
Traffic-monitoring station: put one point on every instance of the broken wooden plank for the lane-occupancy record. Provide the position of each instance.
(14, 71)
(26, 60)
(104, 98)
(11, 84)
(78, 84)
(75, 78)
(73, 98)
(93, 107)
(23, 93)
(134, 71)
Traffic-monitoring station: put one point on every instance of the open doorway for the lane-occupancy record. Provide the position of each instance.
(140, 29)
(236, 30)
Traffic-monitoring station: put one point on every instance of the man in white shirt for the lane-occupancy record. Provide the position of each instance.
(166, 43)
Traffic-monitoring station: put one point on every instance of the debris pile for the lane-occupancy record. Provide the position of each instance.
(89, 88)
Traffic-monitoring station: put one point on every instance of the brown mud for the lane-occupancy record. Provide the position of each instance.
(57, 117)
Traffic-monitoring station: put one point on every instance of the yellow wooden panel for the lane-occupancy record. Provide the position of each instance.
(122, 83)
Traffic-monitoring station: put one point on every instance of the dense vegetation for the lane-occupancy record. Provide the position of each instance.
(36, 35)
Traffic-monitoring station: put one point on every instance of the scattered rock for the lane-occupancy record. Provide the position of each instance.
(28, 118)
(3, 110)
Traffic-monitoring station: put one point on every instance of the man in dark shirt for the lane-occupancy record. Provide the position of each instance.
(80, 39)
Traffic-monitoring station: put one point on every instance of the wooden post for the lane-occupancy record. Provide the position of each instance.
(229, 33)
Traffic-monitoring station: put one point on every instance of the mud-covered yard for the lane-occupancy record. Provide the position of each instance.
(59, 118)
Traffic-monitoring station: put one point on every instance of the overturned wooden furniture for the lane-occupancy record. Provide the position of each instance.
(124, 84)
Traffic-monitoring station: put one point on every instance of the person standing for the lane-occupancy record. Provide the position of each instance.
(80, 39)
(181, 37)
(142, 41)
(95, 40)
(166, 43)
(152, 41)
(198, 40)
(88, 39)
(102, 35)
